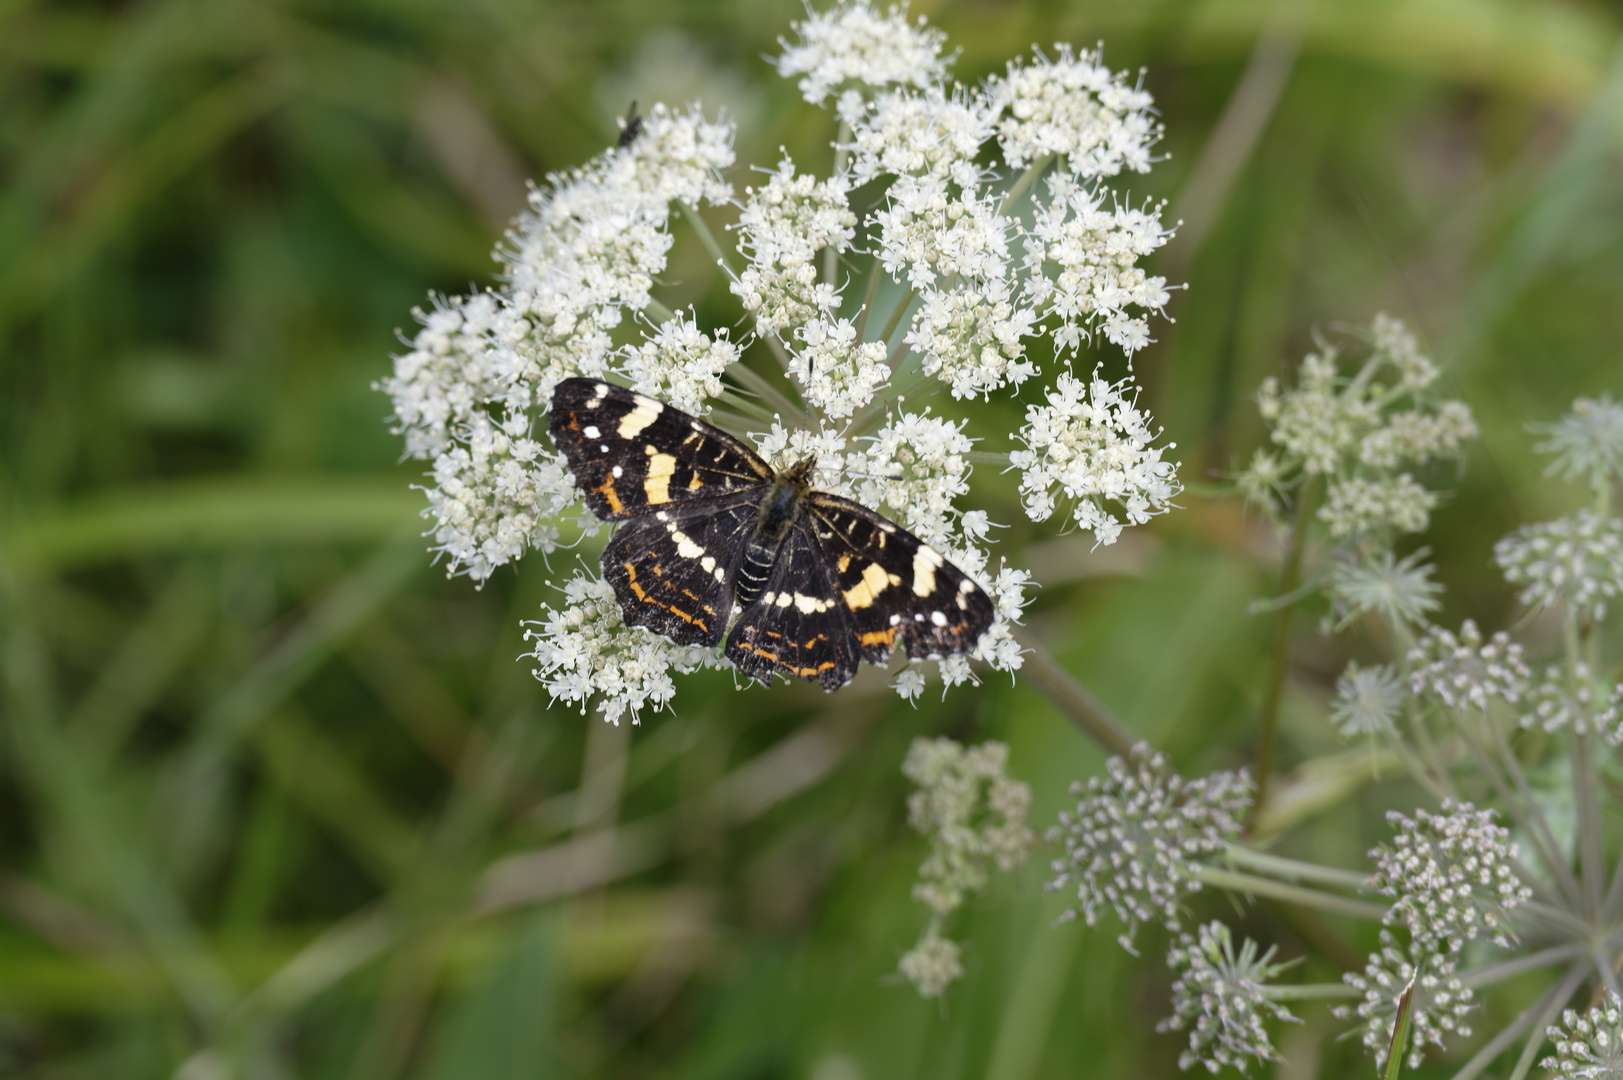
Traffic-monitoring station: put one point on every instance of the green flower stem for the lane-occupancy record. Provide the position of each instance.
(987, 457)
(1603, 964)
(1027, 178)
(1493, 973)
(774, 398)
(867, 301)
(1252, 885)
(1292, 869)
(1558, 916)
(1545, 1008)
(1614, 895)
(707, 238)
(1585, 781)
(1402, 1022)
(1073, 699)
(1533, 824)
(658, 312)
(1279, 663)
(1310, 992)
(831, 258)
(1536, 1037)
(895, 320)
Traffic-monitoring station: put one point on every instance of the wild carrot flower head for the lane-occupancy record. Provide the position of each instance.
(1587, 443)
(1367, 700)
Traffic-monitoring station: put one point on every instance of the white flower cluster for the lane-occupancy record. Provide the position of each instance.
(1137, 834)
(961, 310)
(973, 816)
(1224, 999)
(1450, 877)
(1092, 446)
(1588, 1045)
(584, 650)
(1465, 672)
(782, 227)
(1367, 700)
(1363, 433)
(1439, 1006)
(1575, 563)
(853, 43)
(587, 251)
(1587, 443)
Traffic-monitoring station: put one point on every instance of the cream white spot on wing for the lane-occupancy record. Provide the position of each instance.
(925, 561)
(591, 432)
(617, 471)
(645, 412)
(810, 605)
(894, 619)
(874, 581)
(938, 618)
(784, 599)
(598, 394)
(708, 563)
(685, 547)
(657, 486)
(721, 575)
(662, 516)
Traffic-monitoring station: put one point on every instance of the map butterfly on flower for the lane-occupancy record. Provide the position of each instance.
(820, 582)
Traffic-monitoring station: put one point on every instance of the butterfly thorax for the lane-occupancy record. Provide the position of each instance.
(779, 510)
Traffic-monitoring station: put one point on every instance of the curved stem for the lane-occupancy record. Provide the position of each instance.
(1556, 954)
(1279, 662)
(1293, 869)
(1252, 885)
(707, 238)
(1073, 699)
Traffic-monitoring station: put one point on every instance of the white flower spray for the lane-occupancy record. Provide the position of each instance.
(995, 230)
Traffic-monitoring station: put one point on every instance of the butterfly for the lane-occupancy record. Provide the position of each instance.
(820, 582)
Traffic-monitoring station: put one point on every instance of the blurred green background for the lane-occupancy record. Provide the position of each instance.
(277, 799)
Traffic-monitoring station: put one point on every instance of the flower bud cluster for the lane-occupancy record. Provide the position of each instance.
(1137, 835)
(973, 816)
(1573, 563)
(1465, 672)
(1224, 999)
(1450, 877)
(1364, 433)
(1588, 1045)
(1439, 1006)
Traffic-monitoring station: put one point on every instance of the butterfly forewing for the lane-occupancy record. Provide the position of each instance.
(632, 454)
(892, 585)
(673, 570)
(797, 626)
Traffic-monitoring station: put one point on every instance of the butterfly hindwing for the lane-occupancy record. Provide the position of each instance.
(893, 585)
(631, 454)
(797, 627)
(672, 570)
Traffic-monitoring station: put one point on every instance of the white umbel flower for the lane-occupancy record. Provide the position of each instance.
(784, 224)
(680, 364)
(851, 44)
(1076, 108)
(1081, 261)
(1092, 447)
(584, 651)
